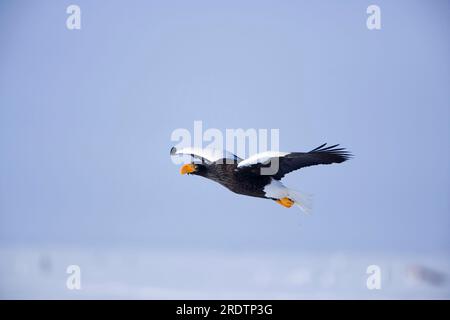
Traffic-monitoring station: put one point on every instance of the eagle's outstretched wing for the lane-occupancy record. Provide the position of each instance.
(208, 155)
(288, 162)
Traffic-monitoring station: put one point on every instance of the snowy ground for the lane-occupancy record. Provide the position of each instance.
(126, 274)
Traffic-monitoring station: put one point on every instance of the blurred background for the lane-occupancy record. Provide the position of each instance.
(86, 178)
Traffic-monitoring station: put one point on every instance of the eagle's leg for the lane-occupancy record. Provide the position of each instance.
(285, 202)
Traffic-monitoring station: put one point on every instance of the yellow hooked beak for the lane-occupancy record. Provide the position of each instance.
(187, 168)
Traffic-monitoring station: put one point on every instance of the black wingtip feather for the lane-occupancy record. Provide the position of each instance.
(319, 147)
(340, 154)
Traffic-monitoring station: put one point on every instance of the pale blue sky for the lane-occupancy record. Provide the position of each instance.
(86, 118)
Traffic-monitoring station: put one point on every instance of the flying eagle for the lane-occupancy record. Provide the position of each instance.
(248, 177)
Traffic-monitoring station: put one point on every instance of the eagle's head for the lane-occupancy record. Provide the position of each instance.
(193, 168)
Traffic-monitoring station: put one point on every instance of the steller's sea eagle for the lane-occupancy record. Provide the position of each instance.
(246, 176)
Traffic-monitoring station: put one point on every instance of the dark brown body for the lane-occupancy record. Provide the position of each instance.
(237, 181)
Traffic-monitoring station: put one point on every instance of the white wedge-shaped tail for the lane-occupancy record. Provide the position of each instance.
(277, 190)
(301, 200)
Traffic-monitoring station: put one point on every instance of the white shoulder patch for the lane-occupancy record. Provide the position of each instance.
(263, 158)
(209, 154)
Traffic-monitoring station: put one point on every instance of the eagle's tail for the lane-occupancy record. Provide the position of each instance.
(301, 200)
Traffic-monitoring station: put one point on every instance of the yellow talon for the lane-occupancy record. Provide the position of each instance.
(285, 202)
